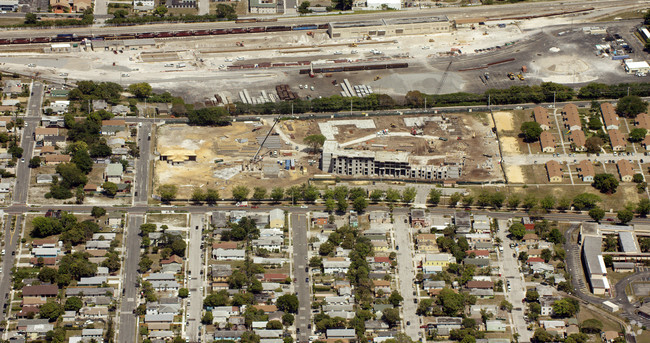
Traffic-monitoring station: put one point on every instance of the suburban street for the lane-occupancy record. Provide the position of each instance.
(8, 261)
(406, 276)
(128, 322)
(27, 142)
(142, 180)
(194, 266)
(299, 227)
(518, 285)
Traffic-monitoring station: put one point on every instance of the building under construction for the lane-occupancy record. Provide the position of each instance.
(393, 164)
(390, 27)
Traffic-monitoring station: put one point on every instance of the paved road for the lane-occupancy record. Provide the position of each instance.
(127, 325)
(511, 274)
(406, 277)
(101, 8)
(204, 7)
(8, 261)
(194, 266)
(494, 12)
(629, 309)
(32, 120)
(142, 180)
(299, 227)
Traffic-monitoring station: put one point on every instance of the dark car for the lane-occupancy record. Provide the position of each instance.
(306, 269)
(306, 279)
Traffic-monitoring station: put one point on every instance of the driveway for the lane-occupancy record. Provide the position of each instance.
(405, 276)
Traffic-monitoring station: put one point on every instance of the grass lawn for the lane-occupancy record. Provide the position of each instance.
(644, 337)
(624, 15)
(11, 21)
(183, 11)
(608, 324)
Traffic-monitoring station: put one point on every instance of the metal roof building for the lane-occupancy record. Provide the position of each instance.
(628, 242)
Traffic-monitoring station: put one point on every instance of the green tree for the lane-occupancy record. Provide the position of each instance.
(506, 305)
(35, 162)
(517, 230)
(532, 296)
(409, 194)
(392, 195)
(330, 205)
(109, 188)
(197, 195)
(591, 326)
(434, 196)
(304, 7)
(51, 310)
(531, 131)
(211, 196)
(643, 207)
(343, 5)
(342, 204)
(288, 303)
(594, 144)
(513, 201)
(597, 214)
(565, 308)
(395, 298)
(277, 194)
(140, 90)
(82, 160)
(73, 304)
(288, 319)
(240, 193)
(259, 193)
(391, 316)
(451, 302)
(376, 195)
(454, 199)
(167, 192)
(625, 216)
(547, 202)
(637, 134)
(207, 318)
(631, 105)
(605, 183)
(97, 212)
(585, 201)
(31, 18)
(594, 123)
(315, 141)
(183, 292)
(160, 10)
(360, 204)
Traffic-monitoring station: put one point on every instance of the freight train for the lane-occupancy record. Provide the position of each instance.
(355, 68)
(167, 34)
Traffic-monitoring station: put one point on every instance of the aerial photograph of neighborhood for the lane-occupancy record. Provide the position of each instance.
(325, 171)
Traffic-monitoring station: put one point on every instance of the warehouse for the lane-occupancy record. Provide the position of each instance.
(389, 27)
(638, 67)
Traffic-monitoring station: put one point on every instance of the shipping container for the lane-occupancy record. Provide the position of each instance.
(620, 57)
(304, 27)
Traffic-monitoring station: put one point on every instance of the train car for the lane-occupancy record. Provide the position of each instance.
(20, 41)
(146, 35)
(278, 28)
(257, 29)
(247, 20)
(266, 20)
(165, 34)
(219, 31)
(397, 65)
(352, 68)
(375, 66)
(304, 27)
(323, 26)
(41, 40)
(182, 33)
(5, 41)
(201, 33)
(238, 30)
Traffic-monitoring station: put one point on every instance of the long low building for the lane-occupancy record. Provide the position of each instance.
(594, 264)
(390, 27)
(394, 164)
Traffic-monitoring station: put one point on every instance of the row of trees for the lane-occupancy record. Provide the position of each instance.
(223, 12)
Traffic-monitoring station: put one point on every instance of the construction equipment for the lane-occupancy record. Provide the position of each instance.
(392, 126)
(310, 33)
(257, 154)
(353, 45)
(239, 44)
(416, 131)
(521, 77)
(511, 76)
(377, 77)
(524, 69)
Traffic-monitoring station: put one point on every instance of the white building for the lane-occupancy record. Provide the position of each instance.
(634, 67)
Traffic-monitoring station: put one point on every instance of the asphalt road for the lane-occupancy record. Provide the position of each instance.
(517, 291)
(27, 142)
(405, 273)
(494, 12)
(194, 266)
(8, 261)
(142, 180)
(128, 322)
(299, 227)
(622, 300)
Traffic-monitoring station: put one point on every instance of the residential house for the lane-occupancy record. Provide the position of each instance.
(571, 117)
(609, 116)
(336, 265)
(382, 286)
(41, 132)
(434, 263)
(426, 242)
(100, 105)
(442, 326)
(554, 171)
(229, 254)
(625, 170)
(540, 115)
(55, 159)
(173, 264)
(113, 173)
(642, 121)
(586, 171)
(53, 121)
(379, 217)
(477, 262)
(273, 243)
(219, 219)
(120, 110)
(319, 218)
(112, 126)
(274, 277)
(276, 218)
(12, 87)
(578, 140)
(341, 334)
(547, 142)
(617, 140)
(530, 238)
(418, 218)
(478, 253)
(646, 143)
(40, 291)
(495, 326)
(473, 284)
(114, 219)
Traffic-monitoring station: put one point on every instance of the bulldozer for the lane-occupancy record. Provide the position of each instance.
(511, 76)
(353, 45)
(377, 77)
(521, 77)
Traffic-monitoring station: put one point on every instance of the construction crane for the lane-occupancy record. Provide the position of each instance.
(256, 157)
(444, 77)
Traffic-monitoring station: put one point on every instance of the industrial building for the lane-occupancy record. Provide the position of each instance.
(389, 27)
(636, 67)
(594, 264)
(394, 164)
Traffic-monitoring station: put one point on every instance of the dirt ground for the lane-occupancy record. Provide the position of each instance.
(510, 146)
(514, 174)
(223, 159)
(504, 121)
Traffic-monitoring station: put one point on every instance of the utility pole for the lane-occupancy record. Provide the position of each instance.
(553, 99)
(350, 106)
(425, 104)
(488, 101)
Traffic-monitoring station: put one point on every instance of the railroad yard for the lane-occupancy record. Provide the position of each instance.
(207, 64)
